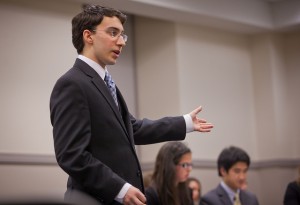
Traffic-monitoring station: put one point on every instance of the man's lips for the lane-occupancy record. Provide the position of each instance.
(117, 52)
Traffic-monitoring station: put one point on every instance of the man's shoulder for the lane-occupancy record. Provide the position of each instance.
(248, 193)
(293, 185)
(249, 197)
(76, 71)
(212, 192)
(211, 197)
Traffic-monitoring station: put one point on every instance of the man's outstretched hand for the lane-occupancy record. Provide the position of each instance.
(200, 125)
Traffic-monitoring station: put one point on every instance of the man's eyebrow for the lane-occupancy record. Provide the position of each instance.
(115, 28)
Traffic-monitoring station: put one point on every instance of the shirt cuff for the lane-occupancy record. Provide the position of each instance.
(189, 123)
(119, 198)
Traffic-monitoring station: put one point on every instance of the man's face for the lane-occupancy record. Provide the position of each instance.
(194, 186)
(105, 45)
(236, 176)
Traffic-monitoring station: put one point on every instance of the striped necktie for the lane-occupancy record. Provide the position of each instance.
(237, 200)
(111, 86)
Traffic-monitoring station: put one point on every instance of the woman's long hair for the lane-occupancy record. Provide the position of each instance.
(164, 175)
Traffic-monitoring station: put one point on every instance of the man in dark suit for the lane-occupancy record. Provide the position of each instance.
(233, 164)
(94, 133)
(292, 192)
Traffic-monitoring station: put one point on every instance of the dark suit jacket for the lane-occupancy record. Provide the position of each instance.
(292, 194)
(218, 196)
(94, 140)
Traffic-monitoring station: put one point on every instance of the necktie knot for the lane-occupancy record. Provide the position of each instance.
(237, 200)
(111, 86)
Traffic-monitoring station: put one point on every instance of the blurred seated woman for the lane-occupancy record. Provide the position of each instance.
(172, 168)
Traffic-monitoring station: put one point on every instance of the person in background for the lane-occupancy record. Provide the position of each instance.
(233, 164)
(94, 133)
(292, 193)
(195, 186)
(172, 168)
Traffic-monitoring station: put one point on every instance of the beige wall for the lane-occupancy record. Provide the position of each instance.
(215, 72)
(275, 67)
(247, 85)
(32, 57)
(32, 182)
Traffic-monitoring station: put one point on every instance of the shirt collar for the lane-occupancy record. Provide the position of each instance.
(229, 191)
(94, 65)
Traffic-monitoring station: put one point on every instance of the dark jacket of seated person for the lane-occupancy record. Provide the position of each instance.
(292, 193)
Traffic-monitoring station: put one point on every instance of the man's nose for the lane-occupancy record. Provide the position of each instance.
(243, 176)
(121, 41)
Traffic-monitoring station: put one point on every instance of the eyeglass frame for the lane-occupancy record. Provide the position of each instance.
(185, 165)
(110, 31)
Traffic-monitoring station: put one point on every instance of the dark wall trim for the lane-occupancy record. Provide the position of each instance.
(37, 159)
(263, 164)
(27, 159)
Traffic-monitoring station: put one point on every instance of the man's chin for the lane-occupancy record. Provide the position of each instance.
(111, 62)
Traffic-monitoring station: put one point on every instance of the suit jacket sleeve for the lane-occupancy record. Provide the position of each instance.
(154, 131)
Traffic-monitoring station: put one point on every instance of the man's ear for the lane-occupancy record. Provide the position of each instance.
(87, 36)
(223, 171)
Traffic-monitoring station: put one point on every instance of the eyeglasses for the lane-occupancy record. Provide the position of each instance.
(115, 34)
(185, 165)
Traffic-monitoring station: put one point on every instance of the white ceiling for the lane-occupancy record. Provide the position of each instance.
(247, 16)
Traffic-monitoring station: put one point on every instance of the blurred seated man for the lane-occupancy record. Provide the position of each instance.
(233, 164)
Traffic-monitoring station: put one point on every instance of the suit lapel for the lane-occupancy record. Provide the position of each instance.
(243, 197)
(101, 86)
(224, 198)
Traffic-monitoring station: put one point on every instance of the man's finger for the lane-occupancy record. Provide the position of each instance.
(197, 110)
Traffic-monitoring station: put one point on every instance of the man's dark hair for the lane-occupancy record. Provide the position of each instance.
(230, 156)
(89, 19)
